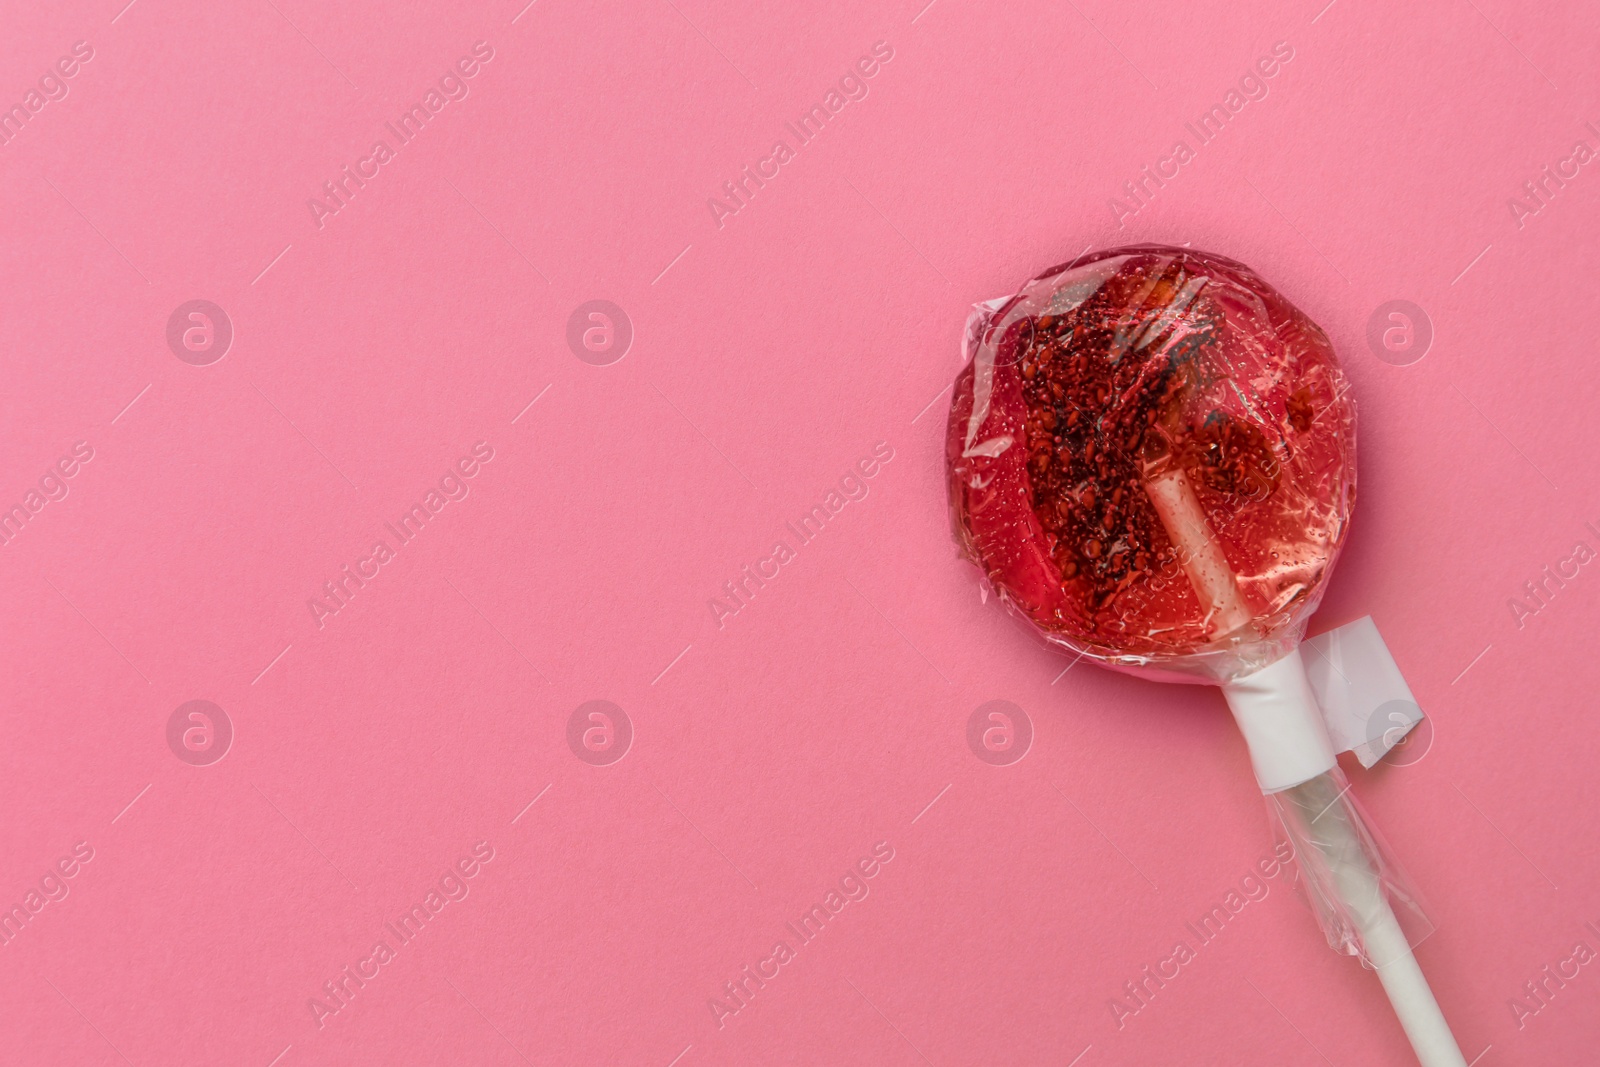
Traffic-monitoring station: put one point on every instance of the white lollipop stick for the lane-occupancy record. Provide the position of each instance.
(1336, 831)
(1295, 767)
(1198, 550)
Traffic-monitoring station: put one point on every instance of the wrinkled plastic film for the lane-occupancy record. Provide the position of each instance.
(1361, 897)
(1152, 457)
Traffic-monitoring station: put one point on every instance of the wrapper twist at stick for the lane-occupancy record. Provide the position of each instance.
(1152, 457)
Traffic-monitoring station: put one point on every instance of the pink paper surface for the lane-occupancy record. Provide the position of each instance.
(778, 352)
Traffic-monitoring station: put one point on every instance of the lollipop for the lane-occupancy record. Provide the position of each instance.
(1152, 457)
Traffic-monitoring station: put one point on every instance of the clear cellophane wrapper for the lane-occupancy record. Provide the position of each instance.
(1086, 398)
(1345, 871)
(1104, 378)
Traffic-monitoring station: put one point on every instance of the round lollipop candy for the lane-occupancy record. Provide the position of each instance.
(1152, 457)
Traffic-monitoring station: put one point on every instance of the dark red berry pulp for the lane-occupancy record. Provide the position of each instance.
(1151, 455)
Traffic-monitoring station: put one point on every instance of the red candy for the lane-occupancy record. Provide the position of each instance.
(1162, 461)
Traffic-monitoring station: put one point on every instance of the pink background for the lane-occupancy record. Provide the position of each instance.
(773, 751)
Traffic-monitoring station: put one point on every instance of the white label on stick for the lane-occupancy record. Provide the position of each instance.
(1364, 698)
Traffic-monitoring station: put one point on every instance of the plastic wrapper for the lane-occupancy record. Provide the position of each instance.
(1347, 873)
(1151, 455)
